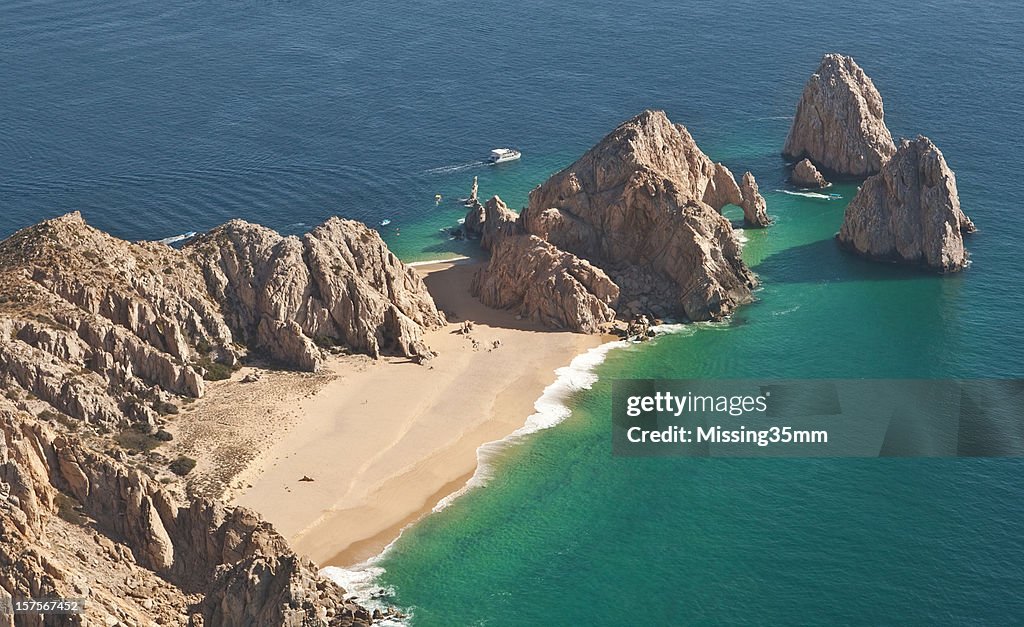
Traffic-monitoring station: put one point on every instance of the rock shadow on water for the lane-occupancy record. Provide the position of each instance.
(825, 261)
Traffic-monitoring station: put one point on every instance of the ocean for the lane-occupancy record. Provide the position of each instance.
(159, 119)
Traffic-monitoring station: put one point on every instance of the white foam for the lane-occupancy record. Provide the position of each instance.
(807, 194)
(177, 238)
(431, 262)
(551, 409)
(447, 169)
(741, 236)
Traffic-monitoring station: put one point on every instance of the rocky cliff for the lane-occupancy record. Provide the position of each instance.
(99, 339)
(839, 123)
(909, 212)
(79, 523)
(336, 285)
(806, 175)
(643, 205)
(546, 285)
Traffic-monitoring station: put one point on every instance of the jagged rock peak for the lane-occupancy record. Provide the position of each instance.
(910, 211)
(490, 222)
(100, 328)
(651, 142)
(338, 284)
(647, 196)
(839, 123)
(806, 175)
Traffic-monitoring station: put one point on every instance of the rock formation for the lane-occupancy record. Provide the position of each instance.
(909, 212)
(498, 222)
(79, 524)
(755, 209)
(84, 313)
(839, 123)
(547, 285)
(806, 175)
(338, 284)
(644, 204)
(98, 337)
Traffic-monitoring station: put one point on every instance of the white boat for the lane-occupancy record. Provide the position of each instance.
(501, 155)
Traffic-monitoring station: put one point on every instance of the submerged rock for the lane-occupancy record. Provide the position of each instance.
(806, 175)
(909, 212)
(839, 123)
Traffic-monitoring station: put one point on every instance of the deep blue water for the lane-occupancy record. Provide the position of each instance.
(157, 118)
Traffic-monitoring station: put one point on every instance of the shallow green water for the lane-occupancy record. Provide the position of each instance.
(566, 533)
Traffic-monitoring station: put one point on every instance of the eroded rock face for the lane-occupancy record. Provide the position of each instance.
(337, 284)
(755, 209)
(839, 123)
(647, 196)
(240, 570)
(806, 175)
(546, 285)
(909, 212)
(102, 329)
(490, 222)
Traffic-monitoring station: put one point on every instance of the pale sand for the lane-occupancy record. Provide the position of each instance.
(386, 441)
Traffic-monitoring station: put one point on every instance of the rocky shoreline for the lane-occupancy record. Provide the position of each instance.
(908, 208)
(634, 227)
(103, 340)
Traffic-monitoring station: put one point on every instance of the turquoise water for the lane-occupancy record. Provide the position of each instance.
(156, 119)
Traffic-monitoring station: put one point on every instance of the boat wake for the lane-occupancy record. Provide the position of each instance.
(810, 194)
(449, 169)
(174, 239)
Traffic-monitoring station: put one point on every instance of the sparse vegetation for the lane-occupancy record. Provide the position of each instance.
(70, 423)
(47, 415)
(163, 435)
(182, 465)
(324, 342)
(164, 408)
(213, 371)
(135, 442)
(69, 509)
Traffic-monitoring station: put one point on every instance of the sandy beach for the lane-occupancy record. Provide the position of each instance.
(383, 441)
